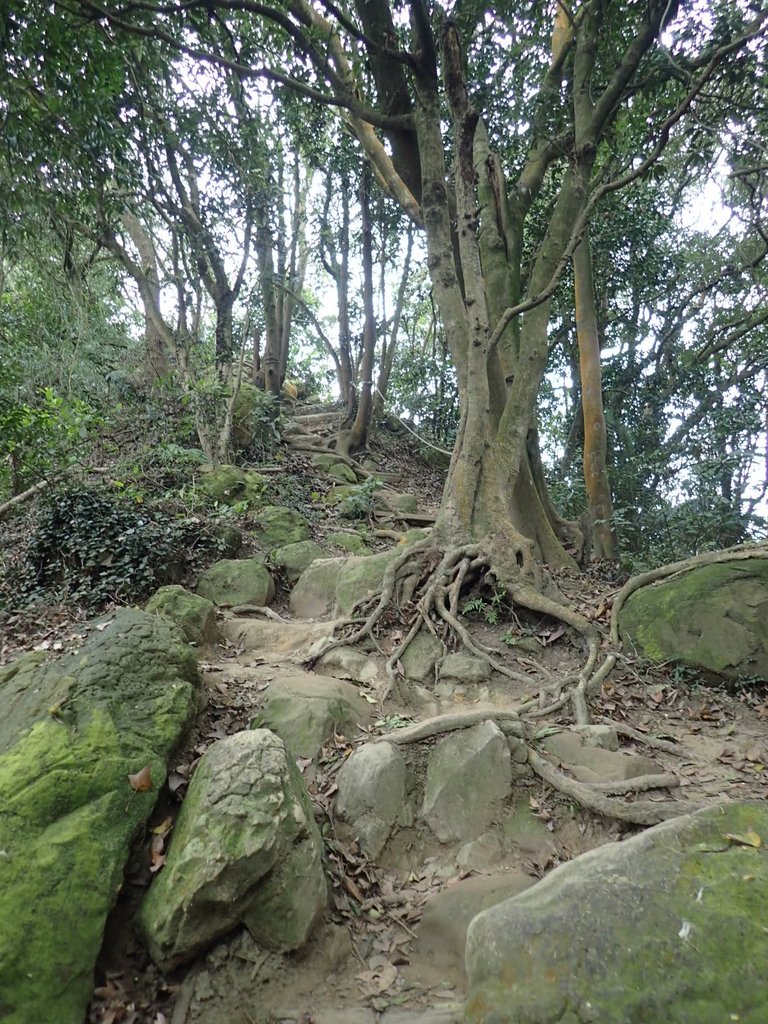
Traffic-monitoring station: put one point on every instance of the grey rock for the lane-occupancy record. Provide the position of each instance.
(372, 784)
(666, 926)
(594, 764)
(480, 853)
(305, 709)
(245, 849)
(468, 774)
(465, 668)
(421, 656)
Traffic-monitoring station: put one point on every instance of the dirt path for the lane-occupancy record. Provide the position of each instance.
(391, 949)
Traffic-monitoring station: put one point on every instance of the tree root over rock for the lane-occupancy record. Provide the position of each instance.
(429, 580)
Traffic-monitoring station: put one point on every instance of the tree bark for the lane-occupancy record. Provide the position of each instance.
(357, 437)
(605, 541)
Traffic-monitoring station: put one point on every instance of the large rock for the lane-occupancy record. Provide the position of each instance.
(666, 926)
(194, 614)
(441, 935)
(468, 774)
(72, 730)
(234, 581)
(361, 578)
(420, 657)
(352, 542)
(275, 638)
(314, 595)
(230, 485)
(278, 525)
(371, 794)
(714, 618)
(245, 849)
(336, 585)
(342, 472)
(293, 559)
(306, 709)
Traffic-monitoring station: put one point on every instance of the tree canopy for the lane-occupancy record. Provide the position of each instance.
(519, 145)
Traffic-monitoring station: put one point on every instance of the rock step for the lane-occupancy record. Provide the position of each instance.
(315, 417)
(451, 1014)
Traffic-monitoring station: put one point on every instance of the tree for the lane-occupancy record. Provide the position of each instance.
(492, 281)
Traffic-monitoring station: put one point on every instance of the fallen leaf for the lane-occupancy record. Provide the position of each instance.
(748, 839)
(164, 827)
(141, 782)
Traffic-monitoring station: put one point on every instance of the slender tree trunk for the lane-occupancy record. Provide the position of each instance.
(605, 541)
(297, 263)
(264, 247)
(389, 346)
(158, 364)
(358, 434)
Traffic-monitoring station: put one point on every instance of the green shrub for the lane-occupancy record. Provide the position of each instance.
(90, 547)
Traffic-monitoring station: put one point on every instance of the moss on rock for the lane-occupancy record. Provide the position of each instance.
(195, 615)
(277, 526)
(714, 618)
(235, 581)
(230, 484)
(73, 731)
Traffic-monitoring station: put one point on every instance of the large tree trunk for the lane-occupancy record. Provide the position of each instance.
(605, 542)
(490, 491)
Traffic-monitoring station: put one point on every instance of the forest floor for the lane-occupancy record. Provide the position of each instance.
(372, 960)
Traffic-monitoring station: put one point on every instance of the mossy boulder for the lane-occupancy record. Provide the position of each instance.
(277, 525)
(324, 460)
(342, 472)
(714, 618)
(245, 850)
(230, 485)
(234, 581)
(306, 709)
(314, 594)
(399, 502)
(194, 614)
(249, 414)
(352, 542)
(342, 492)
(72, 731)
(335, 585)
(293, 559)
(666, 926)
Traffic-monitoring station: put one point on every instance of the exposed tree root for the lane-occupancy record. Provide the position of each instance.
(652, 742)
(639, 812)
(442, 724)
(429, 580)
(640, 784)
(253, 609)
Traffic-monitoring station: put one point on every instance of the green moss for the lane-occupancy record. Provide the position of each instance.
(277, 525)
(80, 726)
(713, 618)
(687, 944)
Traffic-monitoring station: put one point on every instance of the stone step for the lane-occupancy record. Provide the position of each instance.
(451, 1014)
